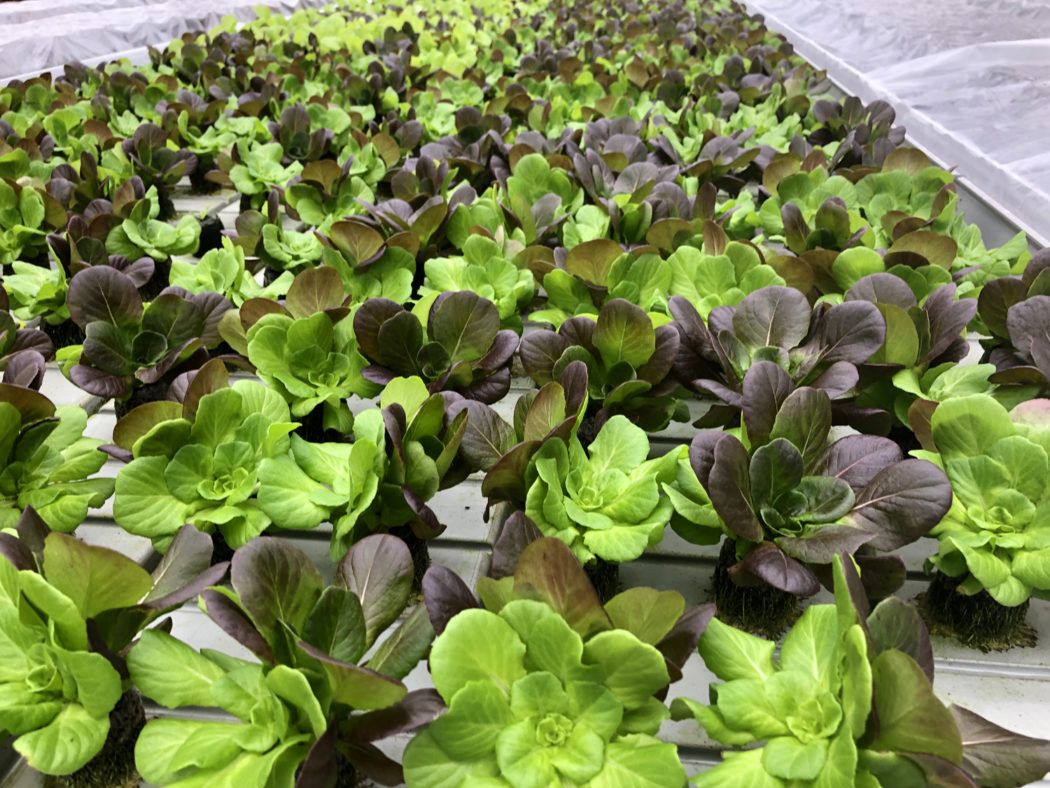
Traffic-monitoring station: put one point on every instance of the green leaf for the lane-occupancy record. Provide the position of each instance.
(428, 766)
(911, 718)
(171, 673)
(291, 686)
(841, 764)
(70, 626)
(902, 338)
(336, 625)
(95, 578)
(619, 445)
(624, 332)
(854, 264)
(811, 646)
(790, 759)
(168, 747)
(634, 671)
(646, 613)
(730, 653)
(65, 744)
(476, 646)
(477, 715)
(739, 770)
(399, 653)
(856, 680)
(968, 426)
(640, 761)
(745, 705)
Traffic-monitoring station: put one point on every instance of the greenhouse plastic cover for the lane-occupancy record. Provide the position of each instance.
(970, 80)
(38, 35)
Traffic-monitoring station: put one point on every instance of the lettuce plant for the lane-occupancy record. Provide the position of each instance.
(546, 665)
(35, 291)
(46, 460)
(159, 164)
(257, 168)
(457, 347)
(314, 695)
(628, 362)
(847, 701)
(326, 191)
(818, 347)
(307, 351)
(791, 498)
(70, 611)
(23, 222)
(1013, 309)
(224, 271)
(200, 462)
(277, 717)
(604, 501)
(719, 277)
(597, 272)
(993, 537)
(130, 345)
(484, 270)
(540, 196)
(505, 450)
(922, 345)
(402, 453)
(142, 234)
(369, 267)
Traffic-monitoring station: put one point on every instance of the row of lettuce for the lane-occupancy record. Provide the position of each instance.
(649, 214)
(535, 681)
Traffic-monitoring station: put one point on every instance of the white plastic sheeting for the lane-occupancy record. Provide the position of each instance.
(970, 80)
(38, 35)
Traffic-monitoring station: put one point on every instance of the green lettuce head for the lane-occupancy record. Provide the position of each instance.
(604, 501)
(305, 348)
(848, 700)
(483, 269)
(997, 532)
(402, 453)
(532, 704)
(55, 695)
(46, 459)
(200, 466)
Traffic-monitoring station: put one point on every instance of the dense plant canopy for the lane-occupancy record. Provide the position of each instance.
(536, 280)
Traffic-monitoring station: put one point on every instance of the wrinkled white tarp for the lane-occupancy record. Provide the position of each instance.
(37, 35)
(970, 80)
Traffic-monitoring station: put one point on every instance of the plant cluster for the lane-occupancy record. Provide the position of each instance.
(635, 267)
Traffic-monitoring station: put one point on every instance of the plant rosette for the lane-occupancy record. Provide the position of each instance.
(847, 701)
(452, 341)
(46, 460)
(70, 611)
(995, 539)
(131, 348)
(224, 271)
(791, 499)
(402, 453)
(544, 686)
(313, 700)
(200, 462)
(628, 362)
(819, 347)
(606, 501)
(305, 349)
